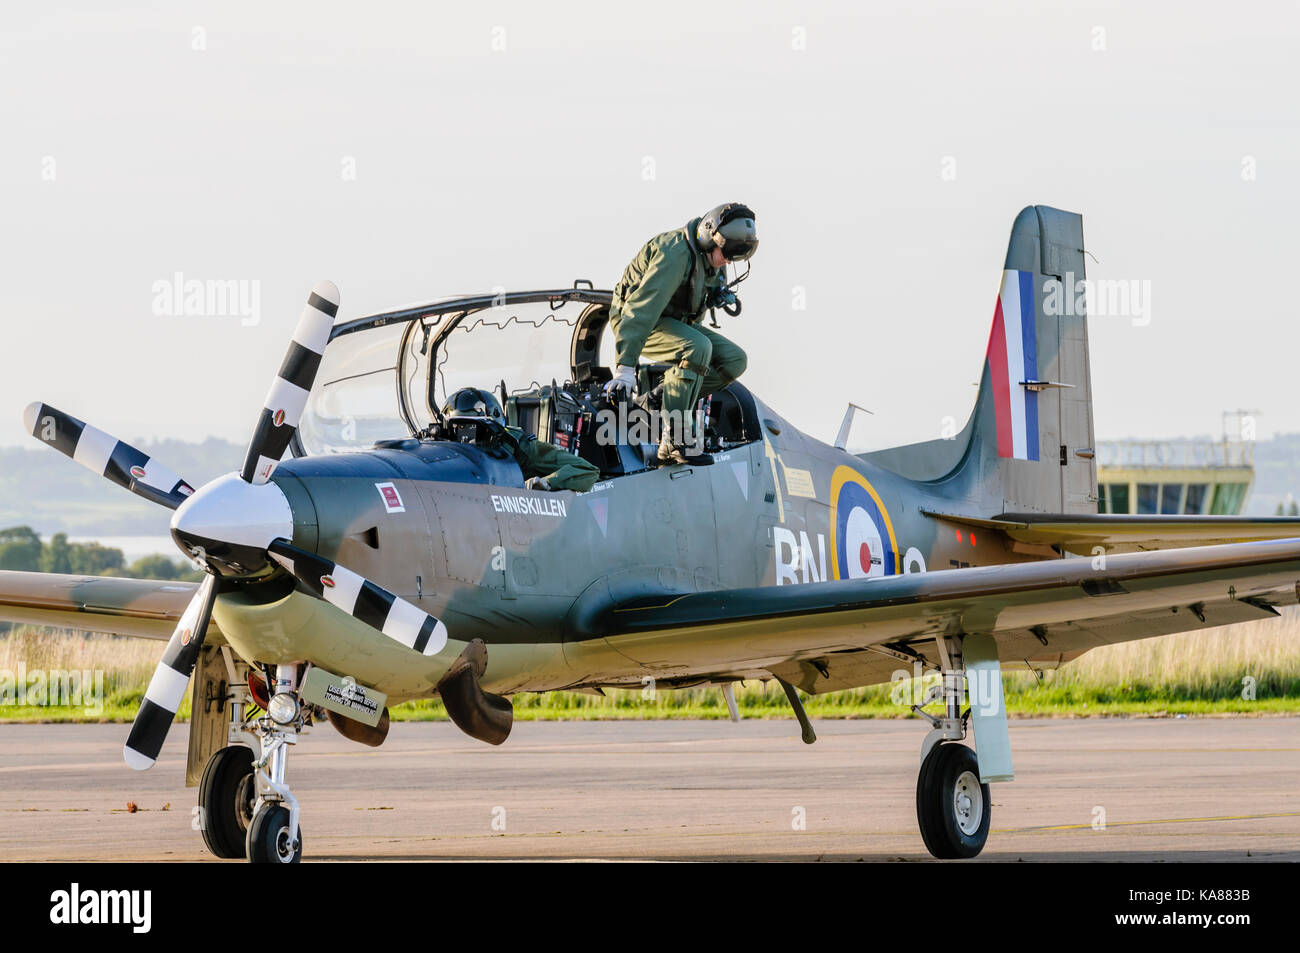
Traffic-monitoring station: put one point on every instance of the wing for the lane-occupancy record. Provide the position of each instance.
(834, 635)
(1080, 532)
(146, 608)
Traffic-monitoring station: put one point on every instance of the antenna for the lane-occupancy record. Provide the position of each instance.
(1239, 425)
(842, 438)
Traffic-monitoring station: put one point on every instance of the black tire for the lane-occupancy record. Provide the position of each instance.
(268, 837)
(950, 772)
(226, 796)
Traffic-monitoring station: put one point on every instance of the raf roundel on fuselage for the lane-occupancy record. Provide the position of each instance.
(862, 534)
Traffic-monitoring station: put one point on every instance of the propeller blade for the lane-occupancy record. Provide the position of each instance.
(362, 599)
(167, 687)
(288, 394)
(107, 456)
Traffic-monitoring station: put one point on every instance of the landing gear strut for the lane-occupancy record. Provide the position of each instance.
(274, 834)
(953, 807)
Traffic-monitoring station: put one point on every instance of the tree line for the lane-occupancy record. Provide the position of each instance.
(21, 548)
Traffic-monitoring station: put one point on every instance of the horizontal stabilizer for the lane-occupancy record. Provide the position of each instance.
(1080, 532)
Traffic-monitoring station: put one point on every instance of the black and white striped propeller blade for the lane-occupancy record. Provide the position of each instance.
(288, 394)
(362, 599)
(167, 687)
(107, 456)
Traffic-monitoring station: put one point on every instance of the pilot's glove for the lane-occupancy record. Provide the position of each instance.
(537, 483)
(624, 380)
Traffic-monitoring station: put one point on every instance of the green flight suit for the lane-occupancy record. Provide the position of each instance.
(656, 308)
(537, 458)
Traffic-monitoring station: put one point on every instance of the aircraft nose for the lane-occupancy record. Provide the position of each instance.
(232, 520)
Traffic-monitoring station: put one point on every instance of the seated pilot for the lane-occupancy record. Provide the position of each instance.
(545, 466)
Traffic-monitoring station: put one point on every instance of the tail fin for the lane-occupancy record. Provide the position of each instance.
(1032, 430)
(1028, 446)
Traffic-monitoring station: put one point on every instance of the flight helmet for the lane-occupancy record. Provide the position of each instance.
(731, 228)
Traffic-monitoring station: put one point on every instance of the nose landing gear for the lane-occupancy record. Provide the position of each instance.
(245, 806)
(274, 836)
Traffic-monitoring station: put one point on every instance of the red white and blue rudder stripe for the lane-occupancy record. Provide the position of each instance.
(1012, 361)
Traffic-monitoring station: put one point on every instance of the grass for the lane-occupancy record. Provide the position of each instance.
(1194, 673)
(122, 668)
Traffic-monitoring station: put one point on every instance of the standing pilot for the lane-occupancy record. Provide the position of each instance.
(656, 310)
(545, 466)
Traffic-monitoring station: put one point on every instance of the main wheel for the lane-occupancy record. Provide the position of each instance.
(226, 796)
(269, 840)
(952, 806)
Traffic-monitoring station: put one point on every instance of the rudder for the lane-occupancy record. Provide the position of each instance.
(1033, 429)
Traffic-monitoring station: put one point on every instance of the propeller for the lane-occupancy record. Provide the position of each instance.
(362, 599)
(105, 455)
(287, 397)
(167, 687)
(235, 519)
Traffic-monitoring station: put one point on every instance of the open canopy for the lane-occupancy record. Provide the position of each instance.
(384, 376)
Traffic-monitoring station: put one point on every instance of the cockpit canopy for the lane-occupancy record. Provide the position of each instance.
(384, 376)
(543, 353)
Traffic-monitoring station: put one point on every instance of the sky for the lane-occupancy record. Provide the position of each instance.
(409, 152)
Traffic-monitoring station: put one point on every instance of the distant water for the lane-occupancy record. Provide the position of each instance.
(134, 547)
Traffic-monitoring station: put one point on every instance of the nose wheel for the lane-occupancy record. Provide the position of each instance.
(952, 805)
(271, 839)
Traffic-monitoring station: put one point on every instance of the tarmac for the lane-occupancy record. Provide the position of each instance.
(1193, 789)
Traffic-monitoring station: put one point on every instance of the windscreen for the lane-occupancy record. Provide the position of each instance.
(355, 402)
(525, 345)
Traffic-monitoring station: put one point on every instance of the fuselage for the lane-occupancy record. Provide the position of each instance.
(451, 528)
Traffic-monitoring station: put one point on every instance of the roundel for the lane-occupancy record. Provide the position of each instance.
(862, 535)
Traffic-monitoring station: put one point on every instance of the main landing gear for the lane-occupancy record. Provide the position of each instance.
(953, 807)
(227, 797)
(246, 807)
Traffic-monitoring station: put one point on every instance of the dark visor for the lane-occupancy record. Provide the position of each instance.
(739, 250)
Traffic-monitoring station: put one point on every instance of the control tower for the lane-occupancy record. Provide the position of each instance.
(1194, 477)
